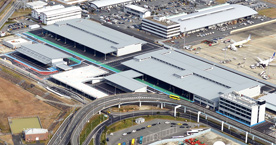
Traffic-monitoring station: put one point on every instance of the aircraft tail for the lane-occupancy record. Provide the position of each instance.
(273, 56)
(249, 37)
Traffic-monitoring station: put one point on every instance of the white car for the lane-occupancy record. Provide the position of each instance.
(167, 122)
(111, 134)
(134, 130)
(124, 134)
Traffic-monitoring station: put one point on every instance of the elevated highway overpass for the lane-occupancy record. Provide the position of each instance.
(70, 132)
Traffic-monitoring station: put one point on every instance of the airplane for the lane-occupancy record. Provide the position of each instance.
(265, 63)
(239, 44)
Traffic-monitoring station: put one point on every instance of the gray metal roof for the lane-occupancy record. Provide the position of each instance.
(125, 80)
(190, 74)
(211, 16)
(93, 35)
(41, 53)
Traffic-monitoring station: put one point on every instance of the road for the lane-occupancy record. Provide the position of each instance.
(14, 6)
(99, 130)
(84, 114)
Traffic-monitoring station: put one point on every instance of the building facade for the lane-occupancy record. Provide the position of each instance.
(51, 17)
(36, 12)
(242, 108)
(35, 134)
(137, 11)
(161, 26)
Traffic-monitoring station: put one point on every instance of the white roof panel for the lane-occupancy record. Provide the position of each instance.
(211, 16)
(103, 3)
(188, 73)
(126, 80)
(77, 77)
(35, 131)
(137, 8)
(41, 53)
(62, 10)
(49, 8)
(93, 35)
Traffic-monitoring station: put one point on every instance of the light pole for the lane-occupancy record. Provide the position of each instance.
(184, 33)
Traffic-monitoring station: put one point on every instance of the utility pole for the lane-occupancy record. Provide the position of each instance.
(184, 33)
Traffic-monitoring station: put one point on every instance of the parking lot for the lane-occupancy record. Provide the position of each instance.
(168, 129)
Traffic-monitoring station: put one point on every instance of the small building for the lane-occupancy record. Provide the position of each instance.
(126, 81)
(15, 42)
(137, 11)
(36, 12)
(45, 55)
(242, 108)
(51, 17)
(36, 5)
(35, 134)
(140, 120)
(102, 4)
(161, 26)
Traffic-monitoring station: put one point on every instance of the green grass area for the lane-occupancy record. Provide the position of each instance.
(93, 122)
(161, 89)
(19, 124)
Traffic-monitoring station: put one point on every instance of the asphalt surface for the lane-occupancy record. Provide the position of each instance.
(82, 116)
(118, 137)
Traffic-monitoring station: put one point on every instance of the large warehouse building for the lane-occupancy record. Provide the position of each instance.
(51, 17)
(92, 35)
(200, 81)
(45, 55)
(204, 18)
(191, 78)
(36, 12)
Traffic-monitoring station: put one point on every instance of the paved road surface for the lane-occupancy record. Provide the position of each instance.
(80, 118)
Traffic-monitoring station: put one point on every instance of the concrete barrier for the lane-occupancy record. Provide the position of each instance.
(253, 26)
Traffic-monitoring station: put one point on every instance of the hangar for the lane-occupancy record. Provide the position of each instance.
(203, 18)
(191, 78)
(126, 81)
(91, 35)
(45, 55)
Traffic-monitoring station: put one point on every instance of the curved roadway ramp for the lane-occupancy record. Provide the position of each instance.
(70, 130)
